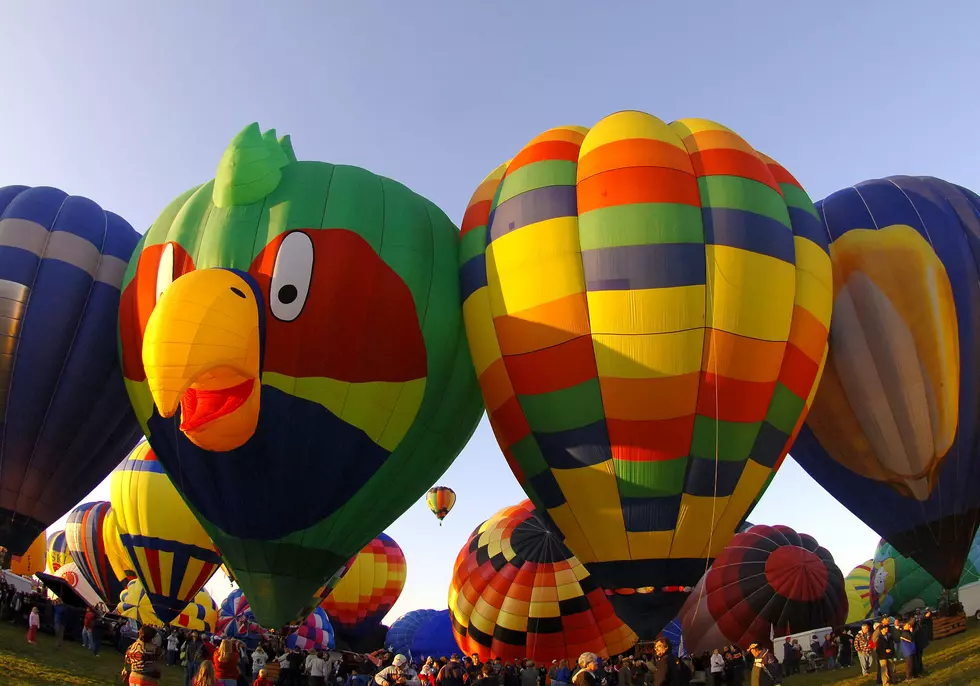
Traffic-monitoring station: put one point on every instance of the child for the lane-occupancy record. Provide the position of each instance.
(263, 679)
(205, 675)
(32, 625)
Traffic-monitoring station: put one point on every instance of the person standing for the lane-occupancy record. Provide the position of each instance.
(33, 623)
(765, 667)
(717, 666)
(226, 663)
(173, 644)
(588, 663)
(664, 664)
(194, 652)
(862, 646)
(907, 649)
(885, 648)
(59, 623)
(87, 622)
(141, 659)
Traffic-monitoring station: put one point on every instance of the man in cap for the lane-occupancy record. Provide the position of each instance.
(765, 667)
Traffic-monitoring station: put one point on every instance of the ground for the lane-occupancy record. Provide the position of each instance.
(952, 662)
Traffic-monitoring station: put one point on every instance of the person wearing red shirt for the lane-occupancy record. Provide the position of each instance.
(262, 680)
(226, 663)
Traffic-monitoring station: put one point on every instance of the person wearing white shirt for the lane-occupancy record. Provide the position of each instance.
(717, 667)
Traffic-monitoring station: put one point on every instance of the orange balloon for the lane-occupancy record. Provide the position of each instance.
(33, 561)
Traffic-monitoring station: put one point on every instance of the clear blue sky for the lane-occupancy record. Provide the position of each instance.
(132, 106)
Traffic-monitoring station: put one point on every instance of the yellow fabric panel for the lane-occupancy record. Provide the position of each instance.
(534, 265)
(704, 134)
(570, 134)
(628, 124)
(650, 310)
(483, 616)
(383, 410)
(564, 577)
(119, 560)
(543, 610)
(569, 590)
(579, 570)
(510, 621)
(753, 477)
(514, 606)
(544, 594)
(751, 294)
(650, 544)
(142, 402)
(593, 496)
(648, 356)
(814, 280)
(482, 337)
(194, 568)
(695, 524)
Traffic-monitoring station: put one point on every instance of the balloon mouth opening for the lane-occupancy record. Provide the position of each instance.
(200, 406)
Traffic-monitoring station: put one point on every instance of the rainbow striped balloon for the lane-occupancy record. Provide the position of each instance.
(86, 545)
(647, 307)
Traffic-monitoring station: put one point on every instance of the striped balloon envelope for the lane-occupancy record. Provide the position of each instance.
(86, 544)
(647, 307)
(58, 555)
(858, 589)
(440, 500)
(316, 633)
(236, 620)
(201, 614)
(122, 566)
(518, 592)
(369, 589)
(172, 554)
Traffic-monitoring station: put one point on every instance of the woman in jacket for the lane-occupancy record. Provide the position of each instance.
(226, 663)
(141, 659)
(563, 675)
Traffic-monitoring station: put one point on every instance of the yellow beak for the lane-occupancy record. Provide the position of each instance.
(201, 352)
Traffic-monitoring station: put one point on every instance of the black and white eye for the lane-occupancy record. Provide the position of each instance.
(165, 270)
(291, 276)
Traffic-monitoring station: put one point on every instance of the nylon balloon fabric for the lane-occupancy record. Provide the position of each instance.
(58, 554)
(64, 416)
(201, 614)
(769, 581)
(33, 560)
(236, 620)
(440, 500)
(297, 318)
(435, 638)
(857, 585)
(647, 308)
(893, 432)
(402, 630)
(316, 633)
(518, 592)
(369, 589)
(170, 552)
(86, 545)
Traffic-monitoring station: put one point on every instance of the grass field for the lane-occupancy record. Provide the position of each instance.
(951, 662)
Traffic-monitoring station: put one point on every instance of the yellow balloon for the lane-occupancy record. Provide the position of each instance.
(122, 565)
(58, 555)
(31, 562)
(201, 614)
(172, 555)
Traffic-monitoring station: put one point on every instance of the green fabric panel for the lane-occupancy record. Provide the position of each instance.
(529, 456)
(186, 230)
(784, 409)
(797, 197)
(568, 408)
(650, 479)
(161, 227)
(640, 224)
(230, 235)
(472, 244)
(298, 203)
(406, 241)
(734, 439)
(537, 175)
(133, 263)
(355, 203)
(738, 193)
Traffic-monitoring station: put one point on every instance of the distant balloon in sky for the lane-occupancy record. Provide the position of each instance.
(65, 420)
(440, 500)
(298, 321)
(894, 430)
(647, 307)
(769, 581)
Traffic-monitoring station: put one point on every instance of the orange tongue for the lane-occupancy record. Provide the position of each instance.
(200, 406)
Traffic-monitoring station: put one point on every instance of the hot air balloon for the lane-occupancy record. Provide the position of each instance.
(86, 544)
(518, 592)
(328, 336)
(440, 500)
(399, 638)
(201, 614)
(369, 589)
(857, 587)
(769, 581)
(674, 634)
(172, 554)
(647, 309)
(58, 554)
(65, 417)
(316, 633)
(31, 562)
(435, 638)
(893, 431)
(119, 561)
(235, 619)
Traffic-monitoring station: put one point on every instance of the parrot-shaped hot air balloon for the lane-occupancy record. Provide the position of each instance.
(32, 561)
(86, 544)
(172, 554)
(64, 417)
(58, 554)
(368, 589)
(769, 581)
(440, 500)
(857, 587)
(297, 323)
(894, 430)
(647, 307)
(518, 592)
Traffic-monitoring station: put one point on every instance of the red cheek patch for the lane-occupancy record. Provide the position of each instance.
(358, 324)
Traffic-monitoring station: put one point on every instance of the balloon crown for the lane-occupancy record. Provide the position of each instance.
(251, 167)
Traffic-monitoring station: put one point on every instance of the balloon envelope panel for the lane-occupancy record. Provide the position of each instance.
(86, 544)
(64, 416)
(58, 555)
(857, 584)
(399, 638)
(647, 308)
(440, 500)
(893, 430)
(435, 638)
